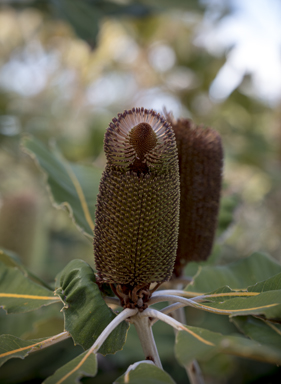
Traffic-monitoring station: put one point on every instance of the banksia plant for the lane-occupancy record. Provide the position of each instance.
(200, 163)
(137, 216)
(138, 225)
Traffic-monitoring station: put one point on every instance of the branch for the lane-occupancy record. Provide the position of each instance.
(149, 312)
(188, 302)
(193, 369)
(143, 327)
(160, 298)
(111, 326)
(173, 292)
(100, 340)
(168, 310)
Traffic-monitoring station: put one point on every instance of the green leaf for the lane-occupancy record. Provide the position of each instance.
(83, 16)
(226, 293)
(167, 4)
(238, 275)
(266, 303)
(262, 298)
(44, 322)
(263, 331)
(73, 186)
(10, 259)
(12, 346)
(86, 313)
(19, 294)
(83, 365)
(272, 284)
(201, 344)
(144, 372)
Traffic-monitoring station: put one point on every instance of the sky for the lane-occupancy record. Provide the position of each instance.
(250, 38)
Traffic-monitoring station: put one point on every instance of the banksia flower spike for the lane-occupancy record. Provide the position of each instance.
(200, 163)
(137, 216)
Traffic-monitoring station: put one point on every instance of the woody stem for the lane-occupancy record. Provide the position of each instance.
(144, 331)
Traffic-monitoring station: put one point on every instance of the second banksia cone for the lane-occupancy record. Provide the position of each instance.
(137, 216)
(200, 163)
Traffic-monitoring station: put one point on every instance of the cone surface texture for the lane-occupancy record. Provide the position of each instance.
(137, 216)
(200, 163)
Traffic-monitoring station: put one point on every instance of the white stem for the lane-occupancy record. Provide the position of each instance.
(201, 298)
(111, 326)
(173, 292)
(171, 308)
(191, 303)
(143, 328)
(51, 341)
(134, 366)
(173, 299)
(179, 314)
(149, 312)
(100, 340)
(188, 302)
(193, 369)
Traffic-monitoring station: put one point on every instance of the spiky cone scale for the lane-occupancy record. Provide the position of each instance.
(137, 216)
(200, 163)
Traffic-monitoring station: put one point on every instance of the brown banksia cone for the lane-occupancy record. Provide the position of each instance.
(200, 163)
(137, 216)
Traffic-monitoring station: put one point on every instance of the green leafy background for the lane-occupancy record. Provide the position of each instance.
(63, 138)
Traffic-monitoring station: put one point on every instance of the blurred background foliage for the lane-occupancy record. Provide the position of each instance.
(66, 69)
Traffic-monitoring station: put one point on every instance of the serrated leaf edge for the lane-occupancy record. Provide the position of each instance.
(56, 205)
